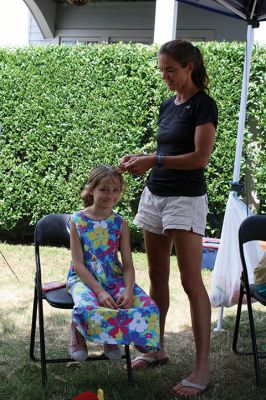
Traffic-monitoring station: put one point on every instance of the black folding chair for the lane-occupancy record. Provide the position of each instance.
(52, 230)
(252, 228)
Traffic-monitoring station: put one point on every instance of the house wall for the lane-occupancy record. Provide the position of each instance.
(44, 12)
(36, 36)
(134, 21)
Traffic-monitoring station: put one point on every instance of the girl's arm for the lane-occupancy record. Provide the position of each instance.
(125, 299)
(105, 300)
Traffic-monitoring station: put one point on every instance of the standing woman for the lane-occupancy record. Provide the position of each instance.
(173, 206)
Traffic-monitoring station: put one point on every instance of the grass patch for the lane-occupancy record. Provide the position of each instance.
(233, 377)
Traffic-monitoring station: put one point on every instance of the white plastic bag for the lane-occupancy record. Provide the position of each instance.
(227, 268)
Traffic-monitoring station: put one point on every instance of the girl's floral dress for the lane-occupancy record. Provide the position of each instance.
(138, 325)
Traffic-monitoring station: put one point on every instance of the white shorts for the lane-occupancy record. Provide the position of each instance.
(158, 214)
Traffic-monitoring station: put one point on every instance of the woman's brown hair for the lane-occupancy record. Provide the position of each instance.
(185, 52)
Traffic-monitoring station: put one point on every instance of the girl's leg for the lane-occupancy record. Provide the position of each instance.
(158, 248)
(77, 345)
(188, 247)
(85, 299)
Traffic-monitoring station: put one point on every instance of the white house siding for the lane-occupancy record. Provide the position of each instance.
(134, 21)
(35, 35)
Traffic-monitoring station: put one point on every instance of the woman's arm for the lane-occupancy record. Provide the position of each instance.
(199, 158)
(103, 297)
(125, 300)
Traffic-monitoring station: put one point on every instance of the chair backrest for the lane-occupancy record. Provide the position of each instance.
(252, 228)
(53, 230)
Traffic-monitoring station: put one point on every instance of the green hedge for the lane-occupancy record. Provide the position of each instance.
(66, 109)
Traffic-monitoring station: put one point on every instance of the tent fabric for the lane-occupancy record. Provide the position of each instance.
(251, 11)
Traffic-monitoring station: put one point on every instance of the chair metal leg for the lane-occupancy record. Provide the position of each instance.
(38, 309)
(254, 343)
(33, 326)
(129, 367)
(238, 316)
(42, 340)
(252, 334)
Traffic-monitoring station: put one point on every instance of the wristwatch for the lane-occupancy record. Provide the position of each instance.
(159, 161)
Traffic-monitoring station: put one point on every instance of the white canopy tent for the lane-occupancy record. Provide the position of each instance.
(251, 11)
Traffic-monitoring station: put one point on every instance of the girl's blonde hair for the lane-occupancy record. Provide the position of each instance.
(95, 177)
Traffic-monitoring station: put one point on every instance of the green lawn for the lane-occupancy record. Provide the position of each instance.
(233, 377)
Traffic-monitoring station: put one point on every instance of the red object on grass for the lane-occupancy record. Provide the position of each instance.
(86, 396)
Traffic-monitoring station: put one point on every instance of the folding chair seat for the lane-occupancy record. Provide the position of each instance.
(252, 228)
(53, 230)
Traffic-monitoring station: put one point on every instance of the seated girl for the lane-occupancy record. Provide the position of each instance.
(109, 308)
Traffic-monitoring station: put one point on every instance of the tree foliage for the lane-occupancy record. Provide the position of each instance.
(66, 109)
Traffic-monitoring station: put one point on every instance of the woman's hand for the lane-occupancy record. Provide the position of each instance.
(137, 164)
(126, 159)
(125, 299)
(106, 300)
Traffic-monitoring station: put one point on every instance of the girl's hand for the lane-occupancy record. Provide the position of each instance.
(106, 300)
(125, 300)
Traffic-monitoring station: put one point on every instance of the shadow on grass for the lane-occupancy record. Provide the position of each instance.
(233, 376)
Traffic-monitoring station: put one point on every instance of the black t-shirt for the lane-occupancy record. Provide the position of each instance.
(175, 136)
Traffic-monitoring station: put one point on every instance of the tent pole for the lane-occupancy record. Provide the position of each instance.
(220, 319)
(241, 127)
(243, 103)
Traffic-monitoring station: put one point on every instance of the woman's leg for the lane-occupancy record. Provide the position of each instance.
(188, 247)
(158, 248)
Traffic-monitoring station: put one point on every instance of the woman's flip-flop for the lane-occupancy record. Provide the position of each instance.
(187, 384)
